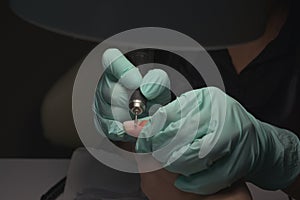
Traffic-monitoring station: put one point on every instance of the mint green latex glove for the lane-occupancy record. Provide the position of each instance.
(118, 81)
(219, 144)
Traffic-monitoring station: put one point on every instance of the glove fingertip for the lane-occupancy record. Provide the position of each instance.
(118, 66)
(155, 83)
(109, 56)
(181, 184)
(131, 79)
(184, 184)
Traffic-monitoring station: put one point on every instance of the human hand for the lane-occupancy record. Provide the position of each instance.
(219, 143)
(120, 79)
(159, 184)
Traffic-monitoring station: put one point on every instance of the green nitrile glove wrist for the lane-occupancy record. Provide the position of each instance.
(219, 144)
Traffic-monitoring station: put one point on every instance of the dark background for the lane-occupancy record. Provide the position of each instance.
(34, 59)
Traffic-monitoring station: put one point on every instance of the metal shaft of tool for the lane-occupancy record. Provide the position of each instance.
(137, 105)
(136, 119)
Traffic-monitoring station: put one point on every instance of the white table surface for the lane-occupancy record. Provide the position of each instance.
(28, 179)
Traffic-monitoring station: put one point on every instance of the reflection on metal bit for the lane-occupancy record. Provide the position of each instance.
(135, 120)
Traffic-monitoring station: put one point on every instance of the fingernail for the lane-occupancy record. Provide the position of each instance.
(133, 130)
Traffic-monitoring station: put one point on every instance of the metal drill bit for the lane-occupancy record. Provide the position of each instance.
(136, 119)
(137, 105)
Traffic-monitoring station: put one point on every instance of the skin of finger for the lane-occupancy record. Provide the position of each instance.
(219, 175)
(132, 129)
(159, 185)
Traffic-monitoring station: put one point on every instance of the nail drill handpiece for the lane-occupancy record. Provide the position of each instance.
(137, 104)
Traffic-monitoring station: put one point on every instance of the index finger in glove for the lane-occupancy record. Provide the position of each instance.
(180, 123)
(156, 86)
(191, 104)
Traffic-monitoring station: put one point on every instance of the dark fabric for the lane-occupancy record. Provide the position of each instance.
(269, 87)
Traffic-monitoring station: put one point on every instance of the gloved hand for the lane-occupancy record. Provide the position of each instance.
(118, 81)
(212, 141)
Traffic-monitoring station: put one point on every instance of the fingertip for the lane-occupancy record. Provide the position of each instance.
(180, 183)
(155, 83)
(132, 79)
(132, 129)
(121, 68)
(184, 183)
(161, 73)
(109, 56)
